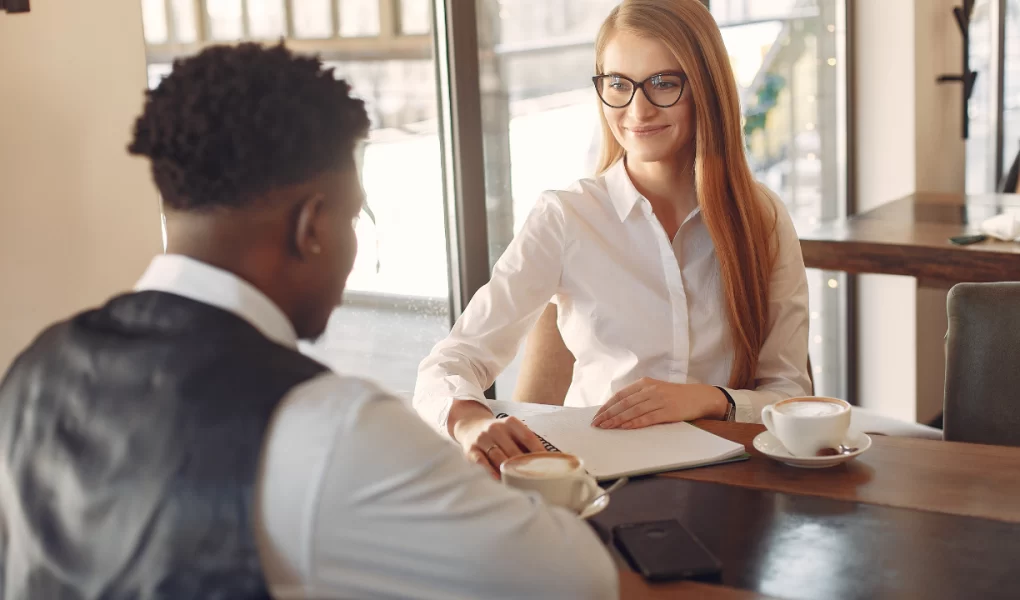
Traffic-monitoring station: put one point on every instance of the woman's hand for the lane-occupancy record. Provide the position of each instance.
(489, 441)
(650, 402)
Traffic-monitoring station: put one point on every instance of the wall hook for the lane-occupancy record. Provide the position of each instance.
(14, 6)
(967, 77)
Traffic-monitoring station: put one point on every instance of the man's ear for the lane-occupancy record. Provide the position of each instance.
(308, 230)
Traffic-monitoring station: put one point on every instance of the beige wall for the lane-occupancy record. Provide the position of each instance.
(941, 167)
(79, 218)
(885, 167)
(907, 131)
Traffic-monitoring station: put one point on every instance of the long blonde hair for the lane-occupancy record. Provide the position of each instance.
(739, 218)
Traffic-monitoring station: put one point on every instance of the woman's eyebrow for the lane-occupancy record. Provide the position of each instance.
(664, 72)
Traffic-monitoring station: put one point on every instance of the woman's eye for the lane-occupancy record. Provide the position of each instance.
(664, 82)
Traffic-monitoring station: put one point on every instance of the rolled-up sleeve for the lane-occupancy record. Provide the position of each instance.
(487, 336)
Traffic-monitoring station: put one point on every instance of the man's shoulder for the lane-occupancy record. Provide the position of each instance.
(35, 355)
(341, 386)
(332, 399)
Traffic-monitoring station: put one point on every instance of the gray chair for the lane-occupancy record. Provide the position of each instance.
(982, 394)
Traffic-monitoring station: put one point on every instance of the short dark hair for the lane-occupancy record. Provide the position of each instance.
(234, 122)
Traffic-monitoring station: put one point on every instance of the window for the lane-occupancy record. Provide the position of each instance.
(789, 58)
(359, 18)
(154, 21)
(994, 48)
(397, 304)
(539, 113)
(980, 149)
(1011, 87)
(540, 131)
(313, 19)
(415, 16)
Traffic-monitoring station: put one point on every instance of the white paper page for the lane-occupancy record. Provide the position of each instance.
(617, 452)
(523, 410)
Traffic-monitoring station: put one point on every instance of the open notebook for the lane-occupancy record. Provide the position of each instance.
(610, 454)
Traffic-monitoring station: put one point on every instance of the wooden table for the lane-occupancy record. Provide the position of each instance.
(908, 518)
(910, 237)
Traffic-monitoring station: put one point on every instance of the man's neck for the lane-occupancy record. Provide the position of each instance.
(244, 249)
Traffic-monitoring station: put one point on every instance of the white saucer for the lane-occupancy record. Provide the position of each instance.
(767, 444)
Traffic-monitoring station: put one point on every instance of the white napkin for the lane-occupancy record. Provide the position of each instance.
(1005, 227)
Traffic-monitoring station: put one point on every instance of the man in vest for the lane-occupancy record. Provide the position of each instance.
(175, 444)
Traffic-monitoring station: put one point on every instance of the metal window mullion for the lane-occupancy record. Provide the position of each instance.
(460, 119)
(171, 22)
(245, 25)
(202, 28)
(389, 17)
(848, 145)
(334, 15)
(288, 19)
(997, 73)
(828, 117)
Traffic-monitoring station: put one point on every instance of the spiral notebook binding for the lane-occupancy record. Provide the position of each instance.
(548, 447)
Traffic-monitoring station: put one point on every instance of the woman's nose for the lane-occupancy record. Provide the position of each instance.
(640, 107)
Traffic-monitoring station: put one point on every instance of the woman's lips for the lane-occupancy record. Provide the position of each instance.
(647, 131)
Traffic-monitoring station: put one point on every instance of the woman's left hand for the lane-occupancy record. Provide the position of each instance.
(650, 402)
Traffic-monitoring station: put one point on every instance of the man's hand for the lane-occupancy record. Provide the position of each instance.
(650, 402)
(489, 441)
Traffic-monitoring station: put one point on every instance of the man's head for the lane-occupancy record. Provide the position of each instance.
(252, 150)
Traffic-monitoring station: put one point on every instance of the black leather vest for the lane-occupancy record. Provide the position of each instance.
(130, 439)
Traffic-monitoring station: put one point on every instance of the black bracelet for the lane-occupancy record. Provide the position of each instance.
(732, 411)
(728, 397)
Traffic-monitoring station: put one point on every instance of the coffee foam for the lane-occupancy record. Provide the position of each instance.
(543, 466)
(810, 408)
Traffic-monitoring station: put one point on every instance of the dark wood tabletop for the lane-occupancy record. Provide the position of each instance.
(910, 236)
(908, 518)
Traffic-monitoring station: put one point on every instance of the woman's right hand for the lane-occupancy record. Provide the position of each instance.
(489, 441)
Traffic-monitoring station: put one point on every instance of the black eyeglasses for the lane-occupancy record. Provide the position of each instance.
(617, 91)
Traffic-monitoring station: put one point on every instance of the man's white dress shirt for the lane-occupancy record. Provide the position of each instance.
(357, 498)
(632, 304)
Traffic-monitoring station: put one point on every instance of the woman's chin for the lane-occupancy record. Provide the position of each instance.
(649, 155)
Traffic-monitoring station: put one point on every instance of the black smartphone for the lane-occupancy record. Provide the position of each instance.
(665, 551)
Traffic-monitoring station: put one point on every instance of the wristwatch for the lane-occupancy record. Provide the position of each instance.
(731, 406)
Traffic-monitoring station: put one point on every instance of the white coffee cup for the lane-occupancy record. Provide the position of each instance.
(560, 478)
(807, 424)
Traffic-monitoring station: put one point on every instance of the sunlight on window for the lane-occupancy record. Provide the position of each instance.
(415, 17)
(224, 19)
(154, 21)
(359, 18)
(266, 19)
(313, 19)
(185, 24)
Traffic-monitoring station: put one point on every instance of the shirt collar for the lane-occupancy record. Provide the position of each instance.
(624, 195)
(201, 282)
(621, 189)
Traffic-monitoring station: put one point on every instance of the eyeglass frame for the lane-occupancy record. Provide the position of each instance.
(683, 86)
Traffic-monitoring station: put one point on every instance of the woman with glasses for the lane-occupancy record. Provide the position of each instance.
(678, 279)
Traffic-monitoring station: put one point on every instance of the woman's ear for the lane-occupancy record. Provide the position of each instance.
(309, 229)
